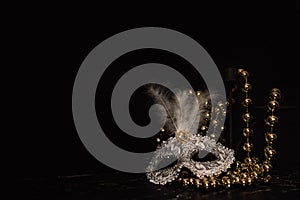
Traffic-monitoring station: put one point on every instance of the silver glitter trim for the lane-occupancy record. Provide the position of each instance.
(183, 152)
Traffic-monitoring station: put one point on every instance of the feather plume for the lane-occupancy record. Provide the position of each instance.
(183, 109)
(164, 97)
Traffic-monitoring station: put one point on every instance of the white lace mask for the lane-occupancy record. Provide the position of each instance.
(184, 121)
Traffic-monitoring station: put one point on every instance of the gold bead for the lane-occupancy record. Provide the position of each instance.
(257, 167)
(244, 166)
(226, 181)
(217, 110)
(270, 137)
(157, 139)
(227, 103)
(249, 180)
(207, 105)
(255, 160)
(233, 101)
(224, 112)
(247, 87)
(273, 104)
(248, 160)
(185, 182)
(275, 95)
(197, 182)
(207, 115)
(206, 183)
(271, 120)
(237, 165)
(261, 168)
(243, 73)
(244, 175)
(234, 88)
(246, 102)
(162, 130)
(221, 104)
(232, 178)
(276, 90)
(247, 132)
(267, 166)
(191, 181)
(190, 91)
(240, 70)
(237, 171)
(269, 152)
(198, 93)
(254, 175)
(247, 146)
(214, 122)
(228, 173)
(243, 182)
(267, 178)
(246, 117)
(213, 183)
(204, 128)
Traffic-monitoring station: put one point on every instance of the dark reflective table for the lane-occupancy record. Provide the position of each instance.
(117, 185)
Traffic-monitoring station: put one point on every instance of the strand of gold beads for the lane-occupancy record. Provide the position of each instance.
(219, 111)
(251, 169)
(242, 173)
(247, 131)
(245, 172)
(270, 136)
(206, 115)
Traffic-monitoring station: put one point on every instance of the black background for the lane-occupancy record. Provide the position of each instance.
(44, 48)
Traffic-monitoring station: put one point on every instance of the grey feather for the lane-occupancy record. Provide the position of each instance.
(183, 109)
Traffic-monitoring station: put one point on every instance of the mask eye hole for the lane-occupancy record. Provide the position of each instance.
(203, 156)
